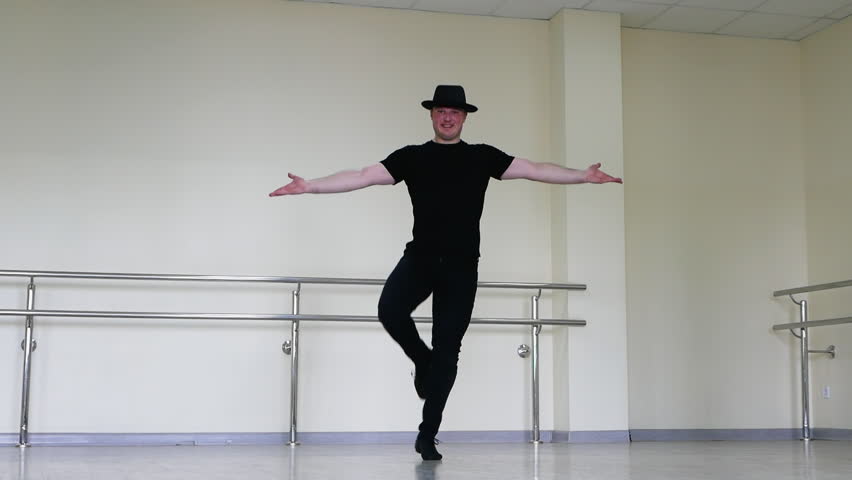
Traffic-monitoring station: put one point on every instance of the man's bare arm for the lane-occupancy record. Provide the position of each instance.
(345, 181)
(551, 173)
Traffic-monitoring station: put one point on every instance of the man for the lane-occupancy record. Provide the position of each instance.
(446, 180)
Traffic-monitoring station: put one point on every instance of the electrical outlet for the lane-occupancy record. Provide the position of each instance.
(826, 391)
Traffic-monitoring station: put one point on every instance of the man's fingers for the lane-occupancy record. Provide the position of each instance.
(601, 177)
(280, 191)
(290, 188)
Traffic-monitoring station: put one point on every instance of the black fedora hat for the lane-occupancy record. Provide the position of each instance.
(449, 96)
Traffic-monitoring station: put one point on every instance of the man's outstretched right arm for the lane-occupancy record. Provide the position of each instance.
(345, 181)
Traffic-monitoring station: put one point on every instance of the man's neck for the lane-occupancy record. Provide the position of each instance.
(446, 142)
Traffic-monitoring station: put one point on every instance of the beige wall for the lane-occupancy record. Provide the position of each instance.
(826, 76)
(588, 222)
(715, 222)
(144, 137)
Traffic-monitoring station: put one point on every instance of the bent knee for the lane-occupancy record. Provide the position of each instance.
(446, 355)
(388, 310)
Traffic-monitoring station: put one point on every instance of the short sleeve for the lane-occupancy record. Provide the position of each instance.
(496, 161)
(398, 164)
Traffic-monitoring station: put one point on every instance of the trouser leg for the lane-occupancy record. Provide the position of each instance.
(408, 285)
(452, 305)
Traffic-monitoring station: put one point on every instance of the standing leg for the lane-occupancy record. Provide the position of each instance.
(452, 306)
(408, 286)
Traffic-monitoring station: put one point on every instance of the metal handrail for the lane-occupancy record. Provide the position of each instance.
(812, 323)
(291, 347)
(803, 325)
(812, 288)
(280, 317)
(262, 279)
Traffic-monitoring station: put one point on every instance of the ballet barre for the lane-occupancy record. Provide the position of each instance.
(291, 346)
(802, 325)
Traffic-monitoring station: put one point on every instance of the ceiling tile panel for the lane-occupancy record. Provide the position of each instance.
(807, 8)
(543, 9)
(789, 19)
(841, 12)
(472, 7)
(688, 19)
(633, 14)
(765, 25)
(810, 29)
(372, 3)
(743, 5)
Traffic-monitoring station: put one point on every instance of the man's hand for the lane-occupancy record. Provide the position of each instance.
(594, 175)
(296, 187)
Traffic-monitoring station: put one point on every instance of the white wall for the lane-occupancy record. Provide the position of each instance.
(826, 76)
(715, 222)
(144, 137)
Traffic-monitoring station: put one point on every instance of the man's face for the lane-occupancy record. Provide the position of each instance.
(447, 123)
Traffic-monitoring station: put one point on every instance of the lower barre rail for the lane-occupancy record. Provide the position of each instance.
(812, 323)
(295, 318)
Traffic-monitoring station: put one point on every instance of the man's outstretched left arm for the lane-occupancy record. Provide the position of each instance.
(551, 173)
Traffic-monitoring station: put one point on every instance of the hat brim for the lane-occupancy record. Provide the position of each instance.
(429, 104)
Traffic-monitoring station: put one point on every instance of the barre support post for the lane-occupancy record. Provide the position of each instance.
(28, 347)
(535, 330)
(806, 383)
(294, 368)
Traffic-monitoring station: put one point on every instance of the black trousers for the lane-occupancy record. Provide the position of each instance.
(452, 284)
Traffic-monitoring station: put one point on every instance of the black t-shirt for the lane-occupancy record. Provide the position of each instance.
(447, 185)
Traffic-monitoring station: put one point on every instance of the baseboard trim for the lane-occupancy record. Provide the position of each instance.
(831, 434)
(366, 438)
(147, 439)
(356, 438)
(592, 436)
(711, 434)
(306, 438)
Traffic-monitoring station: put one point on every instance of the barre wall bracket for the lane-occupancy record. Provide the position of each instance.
(24, 343)
(830, 351)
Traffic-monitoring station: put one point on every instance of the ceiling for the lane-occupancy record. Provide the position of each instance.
(776, 19)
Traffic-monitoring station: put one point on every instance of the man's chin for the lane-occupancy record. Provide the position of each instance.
(449, 138)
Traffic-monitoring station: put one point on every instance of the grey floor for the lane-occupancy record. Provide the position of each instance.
(636, 461)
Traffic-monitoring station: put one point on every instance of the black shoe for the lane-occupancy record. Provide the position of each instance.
(421, 375)
(426, 448)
